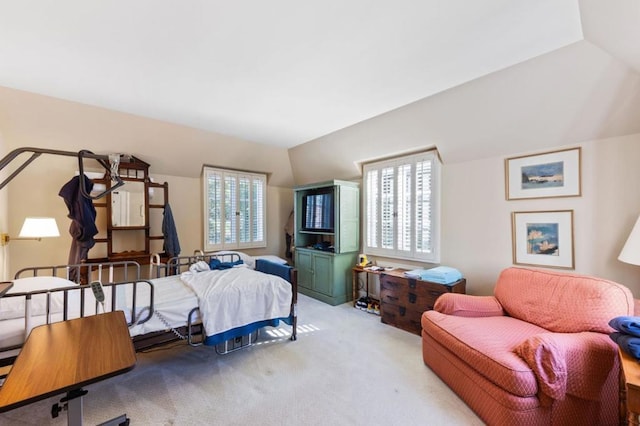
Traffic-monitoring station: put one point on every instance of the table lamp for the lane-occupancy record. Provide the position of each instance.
(631, 251)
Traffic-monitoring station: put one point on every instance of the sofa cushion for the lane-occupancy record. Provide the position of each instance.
(487, 345)
(561, 302)
(467, 305)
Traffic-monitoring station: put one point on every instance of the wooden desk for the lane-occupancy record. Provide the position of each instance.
(64, 356)
(4, 287)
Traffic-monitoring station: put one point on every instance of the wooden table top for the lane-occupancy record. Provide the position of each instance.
(67, 355)
(4, 287)
(398, 272)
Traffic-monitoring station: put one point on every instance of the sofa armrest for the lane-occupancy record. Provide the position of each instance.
(569, 363)
(467, 305)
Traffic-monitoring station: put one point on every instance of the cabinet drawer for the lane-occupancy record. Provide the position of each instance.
(403, 285)
(409, 299)
(402, 317)
(413, 292)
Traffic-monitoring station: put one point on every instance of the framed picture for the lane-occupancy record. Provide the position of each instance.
(550, 174)
(543, 238)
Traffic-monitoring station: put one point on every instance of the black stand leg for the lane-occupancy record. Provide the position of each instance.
(72, 403)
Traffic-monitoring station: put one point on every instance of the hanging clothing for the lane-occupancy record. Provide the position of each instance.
(288, 236)
(83, 218)
(171, 244)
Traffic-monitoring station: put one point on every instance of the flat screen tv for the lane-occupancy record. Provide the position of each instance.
(317, 212)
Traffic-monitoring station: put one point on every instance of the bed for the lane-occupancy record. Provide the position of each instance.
(158, 310)
(220, 312)
(47, 294)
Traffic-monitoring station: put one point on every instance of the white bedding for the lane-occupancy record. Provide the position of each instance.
(238, 296)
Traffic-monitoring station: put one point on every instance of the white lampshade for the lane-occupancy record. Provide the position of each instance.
(39, 227)
(631, 251)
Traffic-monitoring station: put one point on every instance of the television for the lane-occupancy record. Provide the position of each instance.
(318, 212)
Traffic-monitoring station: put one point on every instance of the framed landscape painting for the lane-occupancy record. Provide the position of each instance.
(550, 174)
(543, 238)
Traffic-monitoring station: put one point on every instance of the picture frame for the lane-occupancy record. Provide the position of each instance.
(544, 175)
(543, 238)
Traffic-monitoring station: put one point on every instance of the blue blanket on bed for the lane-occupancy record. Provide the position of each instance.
(626, 324)
(217, 264)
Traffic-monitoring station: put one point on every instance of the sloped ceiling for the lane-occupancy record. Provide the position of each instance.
(614, 26)
(288, 73)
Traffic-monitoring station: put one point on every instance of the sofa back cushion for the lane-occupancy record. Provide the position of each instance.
(560, 302)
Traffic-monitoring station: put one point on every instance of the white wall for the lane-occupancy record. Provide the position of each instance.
(34, 192)
(477, 217)
(571, 95)
(176, 155)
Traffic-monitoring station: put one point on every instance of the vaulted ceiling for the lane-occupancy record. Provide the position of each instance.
(287, 72)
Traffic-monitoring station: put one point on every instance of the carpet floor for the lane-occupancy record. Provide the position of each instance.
(346, 368)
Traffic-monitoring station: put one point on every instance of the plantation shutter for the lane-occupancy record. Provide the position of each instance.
(401, 205)
(235, 209)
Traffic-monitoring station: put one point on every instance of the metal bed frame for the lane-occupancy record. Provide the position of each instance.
(194, 332)
(129, 274)
(81, 274)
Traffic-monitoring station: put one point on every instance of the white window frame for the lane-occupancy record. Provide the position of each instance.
(229, 231)
(374, 203)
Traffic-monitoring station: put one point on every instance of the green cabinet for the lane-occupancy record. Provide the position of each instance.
(325, 276)
(327, 239)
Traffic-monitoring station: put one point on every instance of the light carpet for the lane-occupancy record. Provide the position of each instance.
(346, 368)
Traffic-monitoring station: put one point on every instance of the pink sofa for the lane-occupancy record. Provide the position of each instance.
(536, 353)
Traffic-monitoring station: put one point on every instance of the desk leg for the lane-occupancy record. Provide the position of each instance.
(74, 408)
(74, 415)
(354, 286)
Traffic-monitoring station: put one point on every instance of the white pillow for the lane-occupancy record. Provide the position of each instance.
(13, 307)
(199, 266)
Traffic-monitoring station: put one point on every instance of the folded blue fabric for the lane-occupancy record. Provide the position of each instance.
(217, 264)
(442, 274)
(439, 274)
(630, 344)
(626, 324)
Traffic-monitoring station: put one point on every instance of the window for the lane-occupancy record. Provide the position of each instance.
(401, 204)
(235, 210)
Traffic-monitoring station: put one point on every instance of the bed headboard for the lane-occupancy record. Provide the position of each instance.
(180, 264)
